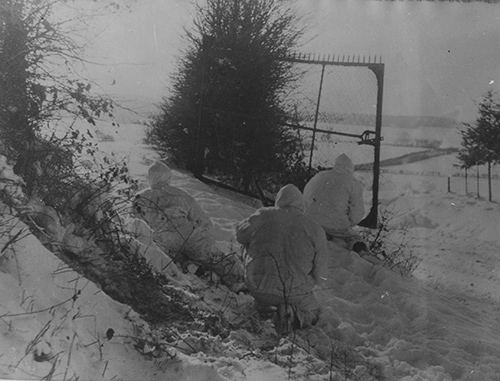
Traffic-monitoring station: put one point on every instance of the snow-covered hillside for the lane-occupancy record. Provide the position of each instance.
(441, 325)
(444, 318)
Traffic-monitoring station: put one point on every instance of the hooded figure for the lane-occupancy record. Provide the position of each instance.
(140, 238)
(180, 227)
(286, 252)
(179, 223)
(334, 198)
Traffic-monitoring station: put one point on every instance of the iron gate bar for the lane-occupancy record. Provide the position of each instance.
(359, 136)
(316, 115)
(378, 68)
(302, 58)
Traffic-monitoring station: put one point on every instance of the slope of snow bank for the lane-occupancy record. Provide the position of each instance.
(412, 329)
(435, 327)
(55, 322)
(415, 329)
(418, 329)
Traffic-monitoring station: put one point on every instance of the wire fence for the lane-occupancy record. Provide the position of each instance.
(474, 185)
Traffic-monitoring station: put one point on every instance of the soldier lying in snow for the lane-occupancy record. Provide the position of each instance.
(286, 251)
(180, 226)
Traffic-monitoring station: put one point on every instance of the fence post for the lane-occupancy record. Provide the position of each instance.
(477, 180)
(489, 181)
(449, 185)
(466, 185)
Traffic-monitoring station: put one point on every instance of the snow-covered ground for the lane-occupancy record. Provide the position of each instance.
(443, 324)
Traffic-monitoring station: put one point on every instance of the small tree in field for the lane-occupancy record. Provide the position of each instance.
(481, 139)
(226, 109)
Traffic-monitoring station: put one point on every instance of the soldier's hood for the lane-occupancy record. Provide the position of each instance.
(289, 197)
(159, 175)
(344, 164)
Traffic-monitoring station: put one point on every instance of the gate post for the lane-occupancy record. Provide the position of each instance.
(371, 220)
(316, 115)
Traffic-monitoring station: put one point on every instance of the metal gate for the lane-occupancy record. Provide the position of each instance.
(367, 137)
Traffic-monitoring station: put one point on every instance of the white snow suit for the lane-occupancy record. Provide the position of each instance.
(141, 240)
(287, 252)
(334, 198)
(179, 223)
(181, 228)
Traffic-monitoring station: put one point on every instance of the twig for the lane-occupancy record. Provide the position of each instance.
(331, 363)
(52, 370)
(251, 353)
(290, 357)
(34, 342)
(61, 324)
(105, 367)
(138, 339)
(12, 240)
(74, 297)
(69, 356)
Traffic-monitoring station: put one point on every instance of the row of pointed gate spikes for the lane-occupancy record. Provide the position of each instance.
(332, 58)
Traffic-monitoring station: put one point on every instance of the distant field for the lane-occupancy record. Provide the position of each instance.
(429, 175)
(326, 152)
(396, 142)
(127, 139)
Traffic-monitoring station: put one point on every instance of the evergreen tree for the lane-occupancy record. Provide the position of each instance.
(226, 109)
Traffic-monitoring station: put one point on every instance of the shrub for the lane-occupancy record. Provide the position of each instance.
(396, 254)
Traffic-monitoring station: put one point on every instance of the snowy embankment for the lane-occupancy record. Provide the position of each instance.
(59, 325)
(442, 325)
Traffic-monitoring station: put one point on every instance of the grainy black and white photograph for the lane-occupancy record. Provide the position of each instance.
(249, 190)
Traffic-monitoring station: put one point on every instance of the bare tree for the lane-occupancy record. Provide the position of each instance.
(38, 84)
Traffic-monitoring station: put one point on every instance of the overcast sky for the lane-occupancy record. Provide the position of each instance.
(440, 56)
